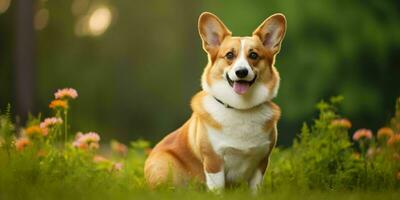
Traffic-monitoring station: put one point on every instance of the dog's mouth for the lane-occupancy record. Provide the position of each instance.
(240, 86)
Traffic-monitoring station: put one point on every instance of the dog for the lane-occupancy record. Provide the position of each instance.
(233, 128)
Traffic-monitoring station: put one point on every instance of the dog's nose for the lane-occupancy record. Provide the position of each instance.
(241, 73)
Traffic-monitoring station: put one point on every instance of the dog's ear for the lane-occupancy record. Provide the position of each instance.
(272, 31)
(212, 32)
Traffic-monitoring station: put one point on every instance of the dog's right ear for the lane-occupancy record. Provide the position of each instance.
(212, 32)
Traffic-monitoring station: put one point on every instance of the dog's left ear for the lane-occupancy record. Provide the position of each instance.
(212, 32)
(272, 31)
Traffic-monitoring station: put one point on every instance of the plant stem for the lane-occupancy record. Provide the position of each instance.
(66, 127)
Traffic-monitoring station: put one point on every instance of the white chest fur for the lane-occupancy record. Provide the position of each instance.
(242, 142)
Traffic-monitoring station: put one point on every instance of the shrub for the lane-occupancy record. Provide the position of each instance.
(324, 157)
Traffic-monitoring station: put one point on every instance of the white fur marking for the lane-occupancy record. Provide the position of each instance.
(222, 90)
(256, 180)
(215, 181)
(242, 142)
(241, 63)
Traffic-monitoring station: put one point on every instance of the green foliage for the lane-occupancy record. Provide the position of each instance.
(37, 162)
(395, 121)
(324, 158)
(6, 131)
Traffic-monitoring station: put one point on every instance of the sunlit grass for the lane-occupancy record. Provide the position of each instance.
(44, 160)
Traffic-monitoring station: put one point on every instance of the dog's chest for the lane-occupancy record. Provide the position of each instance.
(243, 141)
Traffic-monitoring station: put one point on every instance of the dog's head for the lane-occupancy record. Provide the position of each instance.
(240, 70)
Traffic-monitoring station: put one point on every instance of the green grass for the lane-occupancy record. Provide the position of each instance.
(323, 163)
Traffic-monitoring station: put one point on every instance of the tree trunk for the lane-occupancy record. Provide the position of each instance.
(24, 58)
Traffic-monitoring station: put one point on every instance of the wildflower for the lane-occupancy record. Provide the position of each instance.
(58, 104)
(50, 122)
(362, 133)
(118, 147)
(100, 159)
(117, 166)
(41, 153)
(87, 141)
(341, 123)
(35, 131)
(372, 152)
(395, 139)
(385, 132)
(21, 143)
(66, 93)
(356, 156)
(398, 175)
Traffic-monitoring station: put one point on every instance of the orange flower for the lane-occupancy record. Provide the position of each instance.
(385, 132)
(341, 123)
(100, 159)
(58, 104)
(398, 175)
(118, 147)
(21, 143)
(362, 133)
(35, 131)
(395, 139)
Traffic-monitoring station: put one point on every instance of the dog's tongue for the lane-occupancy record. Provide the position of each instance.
(240, 88)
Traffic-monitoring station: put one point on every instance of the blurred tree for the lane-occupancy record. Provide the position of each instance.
(24, 58)
(136, 75)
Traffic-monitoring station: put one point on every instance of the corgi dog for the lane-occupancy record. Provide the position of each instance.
(233, 128)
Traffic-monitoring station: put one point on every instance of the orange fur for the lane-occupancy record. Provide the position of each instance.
(187, 153)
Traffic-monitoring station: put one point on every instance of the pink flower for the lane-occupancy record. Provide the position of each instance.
(362, 133)
(86, 141)
(50, 122)
(66, 93)
(117, 166)
(118, 147)
(21, 143)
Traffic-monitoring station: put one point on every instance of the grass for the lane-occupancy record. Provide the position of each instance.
(43, 160)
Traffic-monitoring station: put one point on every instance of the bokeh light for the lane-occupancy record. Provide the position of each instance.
(41, 19)
(99, 21)
(4, 5)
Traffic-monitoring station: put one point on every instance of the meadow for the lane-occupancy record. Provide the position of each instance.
(46, 160)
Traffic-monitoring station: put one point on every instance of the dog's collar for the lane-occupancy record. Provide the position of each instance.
(224, 104)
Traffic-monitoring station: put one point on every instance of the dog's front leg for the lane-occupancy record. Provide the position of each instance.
(256, 180)
(215, 181)
(214, 173)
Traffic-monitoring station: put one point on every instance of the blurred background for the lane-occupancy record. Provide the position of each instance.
(136, 64)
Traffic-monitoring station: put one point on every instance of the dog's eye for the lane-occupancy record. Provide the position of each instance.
(253, 55)
(230, 55)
